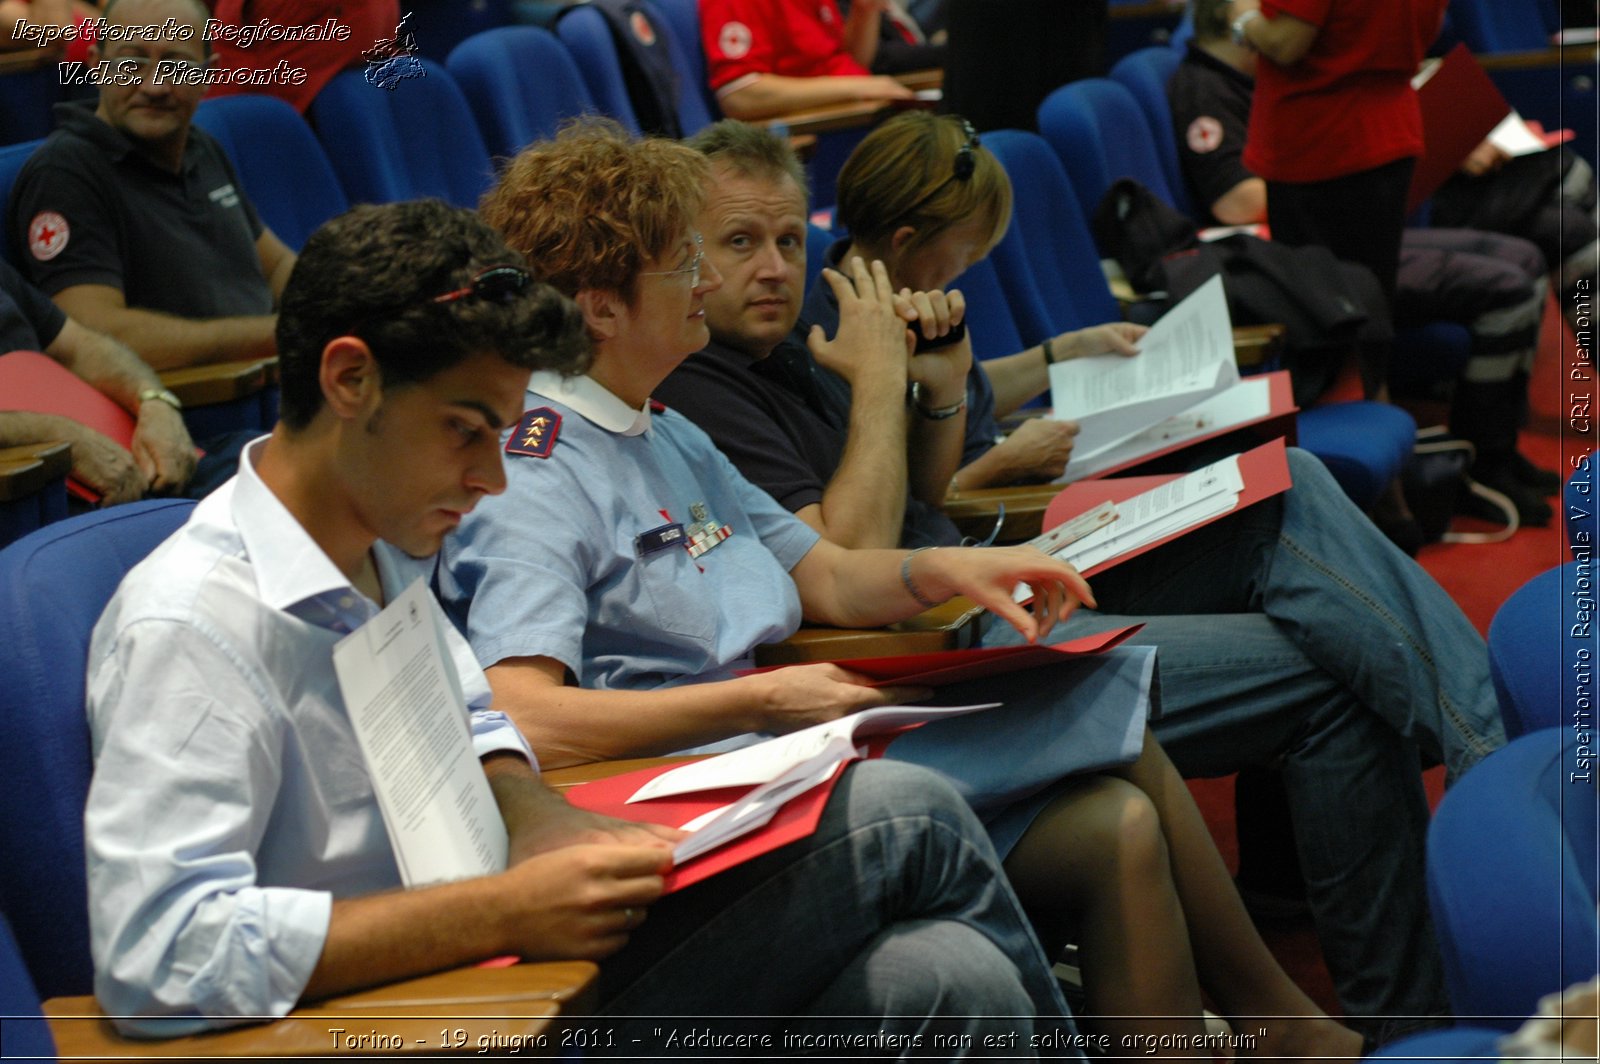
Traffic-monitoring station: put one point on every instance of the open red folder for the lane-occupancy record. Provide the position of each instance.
(952, 666)
(1279, 420)
(1460, 106)
(1265, 471)
(797, 819)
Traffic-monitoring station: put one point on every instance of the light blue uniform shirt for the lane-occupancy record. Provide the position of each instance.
(556, 567)
(230, 802)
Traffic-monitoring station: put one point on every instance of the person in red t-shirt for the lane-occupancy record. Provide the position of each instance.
(770, 57)
(1336, 127)
(367, 20)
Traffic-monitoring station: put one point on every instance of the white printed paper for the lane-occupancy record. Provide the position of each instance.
(1249, 400)
(410, 719)
(1185, 358)
(770, 760)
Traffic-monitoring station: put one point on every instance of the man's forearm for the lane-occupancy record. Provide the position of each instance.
(864, 503)
(772, 95)
(112, 368)
(165, 341)
(935, 454)
(19, 427)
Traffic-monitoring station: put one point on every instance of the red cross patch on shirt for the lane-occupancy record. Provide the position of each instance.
(1204, 135)
(48, 234)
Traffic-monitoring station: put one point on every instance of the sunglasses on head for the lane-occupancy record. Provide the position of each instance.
(497, 284)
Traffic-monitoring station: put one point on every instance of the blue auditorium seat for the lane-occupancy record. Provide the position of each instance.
(994, 331)
(818, 241)
(418, 139)
(1050, 270)
(1446, 1046)
(1145, 74)
(22, 1026)
(587, 36)
(1100, 134)
(684, 17)
(1535, 643)
(283, 169)
(441, 25)
(521, 83)
(12, 156)
(1512, 877)
(74, 566)
(695, 112)
(1501, 25)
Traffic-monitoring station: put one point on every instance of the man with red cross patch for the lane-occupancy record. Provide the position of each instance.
(133, 221)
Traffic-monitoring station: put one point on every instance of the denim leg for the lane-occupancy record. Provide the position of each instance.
(821, 920)
(1366, 614)
(1236, 691)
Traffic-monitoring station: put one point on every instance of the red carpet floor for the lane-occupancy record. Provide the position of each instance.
(1478, 577)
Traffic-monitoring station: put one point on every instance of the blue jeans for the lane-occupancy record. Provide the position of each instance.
(1294, 635)
(894, 916)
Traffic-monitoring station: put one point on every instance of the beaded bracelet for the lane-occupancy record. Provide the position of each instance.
(911, 588)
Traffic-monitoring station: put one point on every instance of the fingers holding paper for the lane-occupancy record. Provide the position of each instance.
(989, 576)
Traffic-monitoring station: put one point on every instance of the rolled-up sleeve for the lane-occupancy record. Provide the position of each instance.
(188, 752)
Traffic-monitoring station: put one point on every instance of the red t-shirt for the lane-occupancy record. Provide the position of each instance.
(1347, 105)
(368, 21)
(795, 38)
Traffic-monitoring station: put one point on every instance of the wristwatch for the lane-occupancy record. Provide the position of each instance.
(161, 394)
(937, 413)
(1236, 28)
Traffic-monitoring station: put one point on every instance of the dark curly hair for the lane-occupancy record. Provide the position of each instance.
(373, 273)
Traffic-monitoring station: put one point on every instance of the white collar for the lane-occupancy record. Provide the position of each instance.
(589, 398)
(290, 568)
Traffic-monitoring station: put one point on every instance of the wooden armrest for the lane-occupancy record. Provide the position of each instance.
(1148, 9)
(221, 382)
(1575, 57)
(1256, 345)
(950, 626)
(974, 512)
(851, 114)
(560, 779)
(29, 468)
(518, 1003)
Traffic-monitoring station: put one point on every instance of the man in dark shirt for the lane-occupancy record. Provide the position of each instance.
(133, 221)
(1492, 283)
(1291, 633)
(162, 456)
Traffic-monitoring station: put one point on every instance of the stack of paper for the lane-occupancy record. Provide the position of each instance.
(1183, 385)
(1190, 500)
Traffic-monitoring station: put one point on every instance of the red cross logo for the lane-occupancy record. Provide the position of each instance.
(734, 40)
(1205, 134)
(47, 235)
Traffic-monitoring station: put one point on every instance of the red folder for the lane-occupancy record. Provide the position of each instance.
(1277, 421)
(39, 384)
(797, 819)
(1460, 106)
(1265, 471)
(952, 666)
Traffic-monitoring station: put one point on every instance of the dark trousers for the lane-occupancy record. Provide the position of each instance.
(1359, 217)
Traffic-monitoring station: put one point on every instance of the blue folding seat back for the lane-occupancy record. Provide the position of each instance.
(283, 169)
(818, 240)
(53, 586)
(1535, 641)
(415, 140)
(1101, 134)
(12, 156)
(688, 63)
(23, 1029)
(1448, 1045)
(1145, 74)
(1047, 263)
(1363, 444)
(521, 83)
(587, 36)
(1500, 25)
(991, 326)
(684, 18)
(1512, 877)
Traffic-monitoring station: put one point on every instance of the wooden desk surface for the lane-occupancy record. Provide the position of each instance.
(30, 467)
(517, 1005)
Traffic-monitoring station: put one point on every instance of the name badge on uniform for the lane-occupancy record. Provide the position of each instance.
(658, 539)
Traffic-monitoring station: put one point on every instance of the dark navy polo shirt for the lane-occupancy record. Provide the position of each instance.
(88, 208)
(28, 320)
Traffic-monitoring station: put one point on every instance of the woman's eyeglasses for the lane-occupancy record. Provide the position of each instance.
(692, 270)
